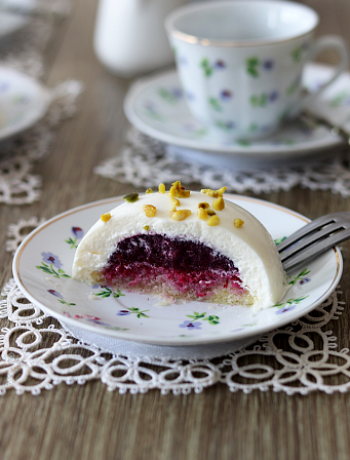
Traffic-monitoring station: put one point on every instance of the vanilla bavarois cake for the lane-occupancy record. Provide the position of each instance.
(180, 244)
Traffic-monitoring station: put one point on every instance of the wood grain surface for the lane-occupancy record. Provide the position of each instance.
(88, 422)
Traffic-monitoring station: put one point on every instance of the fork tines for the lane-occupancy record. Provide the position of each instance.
(314, 238)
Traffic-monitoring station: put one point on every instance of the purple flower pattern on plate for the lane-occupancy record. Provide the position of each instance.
(50, 258)
(195, 324)
(51, 265)
(60, 297)
(171, 95)
(191, 325)
(78, 233)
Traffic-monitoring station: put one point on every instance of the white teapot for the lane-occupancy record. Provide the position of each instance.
(130, 38)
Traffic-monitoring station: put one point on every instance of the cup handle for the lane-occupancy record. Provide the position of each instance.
(322, 43)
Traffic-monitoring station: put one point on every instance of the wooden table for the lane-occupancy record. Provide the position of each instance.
(90, 423)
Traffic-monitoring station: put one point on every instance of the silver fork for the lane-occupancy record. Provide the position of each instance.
(314, 238)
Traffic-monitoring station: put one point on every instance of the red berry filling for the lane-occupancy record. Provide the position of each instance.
(179, 266)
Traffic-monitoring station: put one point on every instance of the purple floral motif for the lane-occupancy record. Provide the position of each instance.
(78, 232)
(123, 312)
(219, 64)
(190, 96)
(50, 258)
(190, 325)
(98, 322)
(171, 95)
(284, 310)
(268, 64)
(225, 125)
(273, 96)
(4, 86)
(225, 95)
(304, 281)
(150, 106)
(177, 93)
(55, 293)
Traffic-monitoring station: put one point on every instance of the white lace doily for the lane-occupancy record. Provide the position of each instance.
(38, 352)
(24, 51)
(146, 162)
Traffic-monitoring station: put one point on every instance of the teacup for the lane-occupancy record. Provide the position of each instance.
(241, 62)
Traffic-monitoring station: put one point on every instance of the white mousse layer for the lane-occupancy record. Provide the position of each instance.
(250, 247)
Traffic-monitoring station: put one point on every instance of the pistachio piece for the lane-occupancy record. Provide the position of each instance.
(202, 214)
(219, 204)
(180, 215)
(149, 210)
(238, 223)
(213, 220)
(131, 198)
(178, 191)
(214, 193)
(106, 217)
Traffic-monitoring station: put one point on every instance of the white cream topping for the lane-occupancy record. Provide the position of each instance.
(250, 247)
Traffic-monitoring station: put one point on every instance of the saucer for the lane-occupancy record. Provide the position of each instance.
(23, 102)
(14, 15)
(42, 268)
(156, 106)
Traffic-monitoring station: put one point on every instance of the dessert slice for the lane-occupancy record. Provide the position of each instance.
(183, 245)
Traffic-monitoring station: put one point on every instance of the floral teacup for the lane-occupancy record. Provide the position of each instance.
(241, 62)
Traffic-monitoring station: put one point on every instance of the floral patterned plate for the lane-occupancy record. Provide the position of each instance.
(42, 268)
(23, 101)
(156, 106)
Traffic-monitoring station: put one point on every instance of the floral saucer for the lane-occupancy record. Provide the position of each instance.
(156, 106)
(23, 102)
(42, 269)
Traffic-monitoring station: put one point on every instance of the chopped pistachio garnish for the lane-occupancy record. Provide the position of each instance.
(213, 220)
(219, 204)
(131, 198)
(149, 190)
(214, 193)
(161, 188)
(180, 215)
(210, 212)
(202, 214)
(203, 205)
(146, 227)
(178, 191)
(149, 210)
(238, 223)
(106, 217)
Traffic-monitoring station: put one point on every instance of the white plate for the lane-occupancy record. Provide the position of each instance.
(156, 106)
(42, 269)
(23, 102)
